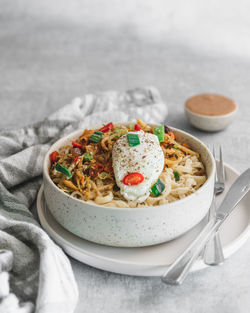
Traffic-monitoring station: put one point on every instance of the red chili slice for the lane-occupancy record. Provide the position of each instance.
(54, 156)
(106, 128)
(94, 171)
(133, 179)
(76, 159)
(99, 167)
(76, 144)
(137, 127)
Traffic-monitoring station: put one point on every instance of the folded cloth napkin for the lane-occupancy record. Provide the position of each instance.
(35, 274)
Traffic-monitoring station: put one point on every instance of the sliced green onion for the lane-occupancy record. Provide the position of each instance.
(133, 139)
(175, 147)
(120, 132)
(87, 156)
(96, 137)
(176, 176)
(158, 188)
(63, 170)
(103, 175)
(159, 132)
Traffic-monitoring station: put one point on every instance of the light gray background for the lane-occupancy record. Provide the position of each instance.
(52, 51)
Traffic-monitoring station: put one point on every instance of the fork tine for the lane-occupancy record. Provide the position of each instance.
(220, 169)
(222, 164)
(216, 176)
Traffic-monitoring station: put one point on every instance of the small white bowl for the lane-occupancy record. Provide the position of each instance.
(210, 123)
(130, 227)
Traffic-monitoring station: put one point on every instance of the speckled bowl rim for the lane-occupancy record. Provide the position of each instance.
(213, 117)
(140, 209)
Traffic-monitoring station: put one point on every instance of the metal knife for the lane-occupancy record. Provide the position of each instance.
(178, 271)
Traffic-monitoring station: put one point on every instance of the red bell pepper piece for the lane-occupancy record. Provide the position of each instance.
(106, 128)
(137, 127)
(76, 159)
(76, 144)
(54, 156)
(133, 179)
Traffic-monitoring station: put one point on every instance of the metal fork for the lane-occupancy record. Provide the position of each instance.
(213, 253)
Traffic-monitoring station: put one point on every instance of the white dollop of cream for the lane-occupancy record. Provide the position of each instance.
(146, 158)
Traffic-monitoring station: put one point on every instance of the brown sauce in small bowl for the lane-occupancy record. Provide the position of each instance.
(210, 105)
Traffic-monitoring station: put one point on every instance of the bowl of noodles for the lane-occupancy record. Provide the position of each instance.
(128, 184)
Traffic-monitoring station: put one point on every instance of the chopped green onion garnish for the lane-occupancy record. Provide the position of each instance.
(103, 175)
(158, 188)
(159, 132)
(96, 137)
(133, 139)
(63, 170)
(176, 176)
(175, 147)
(88, 156)
(120, 132)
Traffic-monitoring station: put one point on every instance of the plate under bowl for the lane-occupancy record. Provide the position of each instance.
(152, 260)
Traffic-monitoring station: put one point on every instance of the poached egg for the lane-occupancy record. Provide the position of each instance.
(146, 158)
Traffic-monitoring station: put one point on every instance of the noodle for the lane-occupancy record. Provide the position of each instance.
(94, 180)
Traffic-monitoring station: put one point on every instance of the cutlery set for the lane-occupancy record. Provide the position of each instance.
(208, 240)
(213, 253)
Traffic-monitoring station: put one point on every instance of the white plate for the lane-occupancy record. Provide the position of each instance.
(152, 260)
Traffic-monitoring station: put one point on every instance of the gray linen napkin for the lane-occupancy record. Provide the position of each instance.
(35, 274)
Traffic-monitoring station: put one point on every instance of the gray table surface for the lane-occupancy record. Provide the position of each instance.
(47, 58)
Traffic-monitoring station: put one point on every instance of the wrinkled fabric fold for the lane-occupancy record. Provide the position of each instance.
(35, 274)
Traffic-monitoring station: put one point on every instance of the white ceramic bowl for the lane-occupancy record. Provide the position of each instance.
(210, 123)
(130, 227)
